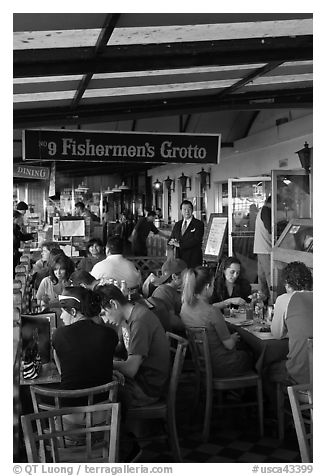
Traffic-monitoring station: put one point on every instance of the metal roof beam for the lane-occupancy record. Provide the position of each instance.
(287, 98)
(106, 32)
(250, 77)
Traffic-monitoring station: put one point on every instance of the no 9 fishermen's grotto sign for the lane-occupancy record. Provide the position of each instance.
(64, 145)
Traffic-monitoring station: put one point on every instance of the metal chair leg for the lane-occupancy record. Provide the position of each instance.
(208, 415)
(280, 411)
(173, 440)
(260, 407)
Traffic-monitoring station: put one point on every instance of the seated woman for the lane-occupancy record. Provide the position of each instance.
(51, 286)
(230, 289)
(46, 247)
(95, 254)
(196, 311)
(83, 350)
(43, 273)
(293, 318)
(41, 267)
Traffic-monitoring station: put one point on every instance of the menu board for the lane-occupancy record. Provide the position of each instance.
(215, 236)
(72, 226)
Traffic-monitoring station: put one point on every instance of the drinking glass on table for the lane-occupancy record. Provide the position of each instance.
(226, 311)
(249, 311)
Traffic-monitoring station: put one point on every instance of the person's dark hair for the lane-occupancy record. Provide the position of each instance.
(298, 276)
(108, 292)
(219, 284)
(194, 281)
(50, 245)
(93, 241)
(81, 277)
(229, 261)
(88, 302)
(64, 262)
(114, 245)
(151, 214)
(186, 202)
(53, 254)
(80, 205)
(22, 206)
(17, 214)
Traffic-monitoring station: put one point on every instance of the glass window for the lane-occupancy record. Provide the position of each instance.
(293, 200)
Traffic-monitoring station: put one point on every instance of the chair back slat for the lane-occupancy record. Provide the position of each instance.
(199, 346)
(103, 449)
(301, 401)
(178, 347)
(310, 357)
(44, 398)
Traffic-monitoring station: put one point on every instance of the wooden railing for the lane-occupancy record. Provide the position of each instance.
(156, 245)
(147, 264)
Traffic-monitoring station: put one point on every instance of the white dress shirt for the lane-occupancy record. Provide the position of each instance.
(117, 267)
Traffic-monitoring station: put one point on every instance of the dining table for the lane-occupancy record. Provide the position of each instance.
(48, 375)
(257, 336)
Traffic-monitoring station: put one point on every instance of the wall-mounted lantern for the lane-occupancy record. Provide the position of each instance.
(157, 185)
(305, 157)
(170, 184)
(205, 179)
(183, 180)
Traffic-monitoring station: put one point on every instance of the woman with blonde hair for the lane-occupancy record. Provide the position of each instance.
(196, 311)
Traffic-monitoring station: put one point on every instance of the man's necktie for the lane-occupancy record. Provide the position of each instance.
(184, 227)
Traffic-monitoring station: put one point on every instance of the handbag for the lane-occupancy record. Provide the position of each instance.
(31, 361)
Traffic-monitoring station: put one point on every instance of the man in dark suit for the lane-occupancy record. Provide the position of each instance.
(187, 237)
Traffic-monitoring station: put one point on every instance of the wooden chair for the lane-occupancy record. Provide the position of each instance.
(165, 408)
(17, 294)
(301, 400)
(281, 397)
(21, 268)
(99, 442)
(25, 261)
(45, 398)
(199, 347)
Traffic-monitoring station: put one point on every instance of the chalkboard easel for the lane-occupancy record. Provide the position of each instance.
(215, 237)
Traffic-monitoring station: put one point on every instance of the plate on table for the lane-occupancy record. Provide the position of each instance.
(246, 323)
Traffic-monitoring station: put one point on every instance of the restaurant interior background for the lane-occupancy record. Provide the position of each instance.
(260, 101)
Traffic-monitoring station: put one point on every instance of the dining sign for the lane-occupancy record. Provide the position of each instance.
(146, 147)
(32, 172)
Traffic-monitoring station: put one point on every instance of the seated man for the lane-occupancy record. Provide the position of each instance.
(116, 266)
(159, 307)
(146, 367)
(169, 290)
(293, 318)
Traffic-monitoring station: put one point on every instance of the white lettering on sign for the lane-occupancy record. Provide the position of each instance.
(39, 173)
(52, 148)
(190, 152)
(71, 148)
